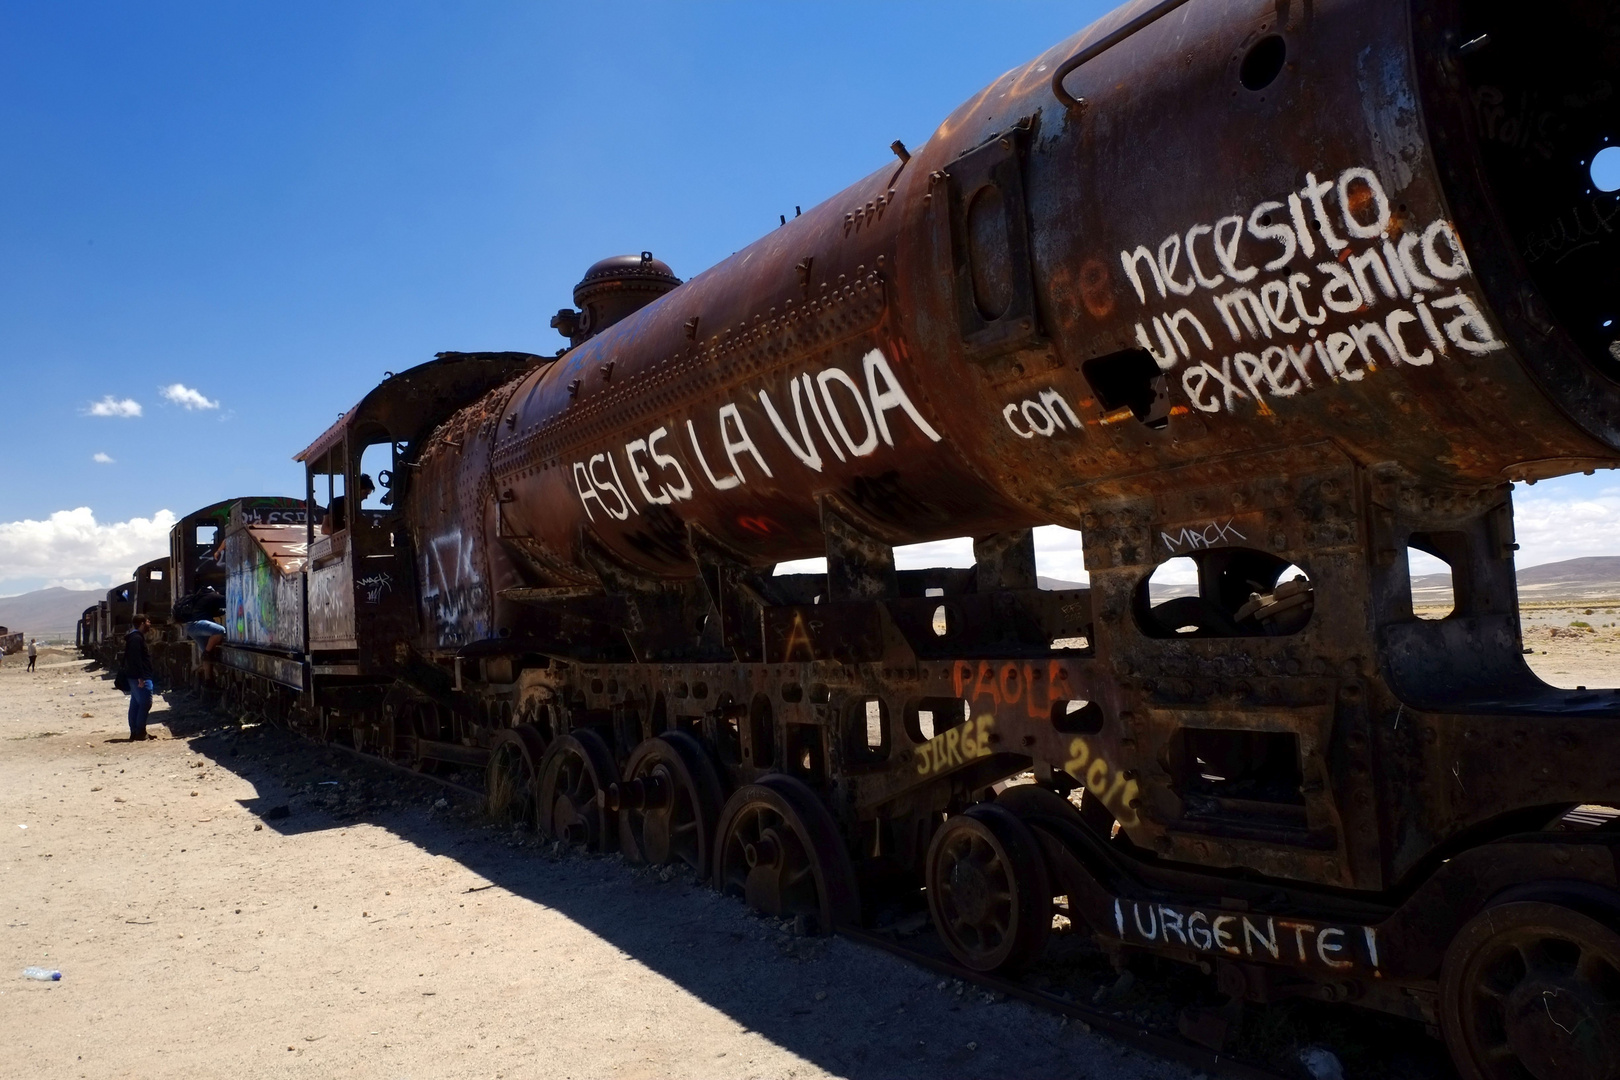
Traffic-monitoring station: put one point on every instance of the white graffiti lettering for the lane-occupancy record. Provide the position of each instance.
(854, 417)
(1045, 414)
(1195, 538)
(1376, 261)
(1252, 936)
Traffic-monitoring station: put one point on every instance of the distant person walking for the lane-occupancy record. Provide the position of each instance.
(138, 670)
(33, 652)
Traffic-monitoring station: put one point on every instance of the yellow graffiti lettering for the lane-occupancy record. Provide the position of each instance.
(958, 746)
(1079, 754)
(798, 640)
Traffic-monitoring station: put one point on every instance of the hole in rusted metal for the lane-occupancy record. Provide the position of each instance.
(1225, 592)
(1130, 379)
(930, 716)
(728, 716)
(1433, 593)
(1239, 775)
(762, 731)
(1076, 717)
(1059, 563)
(1606, 169)
(804, 752)
(1263, 63)
(867, 723)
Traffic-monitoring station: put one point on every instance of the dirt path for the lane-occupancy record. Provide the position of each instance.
(375, 932)
(1575, 644)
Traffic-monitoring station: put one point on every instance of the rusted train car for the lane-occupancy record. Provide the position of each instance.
(1288, 289)
(113, 617)
(84, 635)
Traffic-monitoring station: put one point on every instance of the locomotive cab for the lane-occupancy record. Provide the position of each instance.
(152, 590)
(195, 575)
(361, 575)
(357, 559)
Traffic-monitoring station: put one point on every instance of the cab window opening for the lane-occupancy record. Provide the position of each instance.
(1434, 594)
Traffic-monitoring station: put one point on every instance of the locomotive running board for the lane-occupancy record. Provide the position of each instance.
(278, 669)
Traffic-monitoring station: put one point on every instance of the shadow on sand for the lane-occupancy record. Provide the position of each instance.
(751, 969)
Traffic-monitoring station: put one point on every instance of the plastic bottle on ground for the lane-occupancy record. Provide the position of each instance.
(42, 974)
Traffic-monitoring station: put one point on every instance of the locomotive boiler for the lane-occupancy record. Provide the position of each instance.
(1288, 289)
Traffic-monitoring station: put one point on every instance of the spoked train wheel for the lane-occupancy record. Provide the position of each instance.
(574, 773)
(510, 778)
(1532, 989)
(988, 889)
(668, 803)
(778, 848)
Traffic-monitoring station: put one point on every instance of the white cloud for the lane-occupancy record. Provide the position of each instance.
(102, 459)
(1566, 519)
(111, 406)
(73, 545)
(186, 397)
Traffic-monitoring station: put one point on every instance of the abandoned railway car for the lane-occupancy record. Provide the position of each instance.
(1291, 290)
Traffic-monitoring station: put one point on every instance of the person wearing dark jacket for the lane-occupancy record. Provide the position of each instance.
(138, 670)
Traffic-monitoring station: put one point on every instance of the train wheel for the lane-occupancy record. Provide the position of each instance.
(668, 803)
(779, 849)
(509, 784)
(988, 889)
(573, 774)
(1533, 989)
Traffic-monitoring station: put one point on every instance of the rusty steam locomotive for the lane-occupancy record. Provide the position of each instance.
(1286, 288)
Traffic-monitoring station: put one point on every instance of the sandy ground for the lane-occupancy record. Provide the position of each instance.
(375, 932)
(1568, 653)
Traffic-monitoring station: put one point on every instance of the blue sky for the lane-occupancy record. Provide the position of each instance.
(268, 205)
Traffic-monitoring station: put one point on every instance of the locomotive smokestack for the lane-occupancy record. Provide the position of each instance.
(611, 290)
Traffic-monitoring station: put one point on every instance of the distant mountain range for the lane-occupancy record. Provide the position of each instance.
(47, 612)
(1596, 577)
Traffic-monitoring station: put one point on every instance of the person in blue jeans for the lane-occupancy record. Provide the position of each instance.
(208, 635)
(138, 670)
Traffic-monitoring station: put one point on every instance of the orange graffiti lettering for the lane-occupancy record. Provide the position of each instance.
(986, 684)
(1009, 675)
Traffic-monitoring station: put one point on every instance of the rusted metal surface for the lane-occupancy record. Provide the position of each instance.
(1289, 291)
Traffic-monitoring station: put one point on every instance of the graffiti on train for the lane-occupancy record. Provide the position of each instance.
(814, 418)
(1242, 306)
(455, 599)
(1247, 935)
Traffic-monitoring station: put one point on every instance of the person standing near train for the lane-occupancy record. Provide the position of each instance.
(137, 668)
